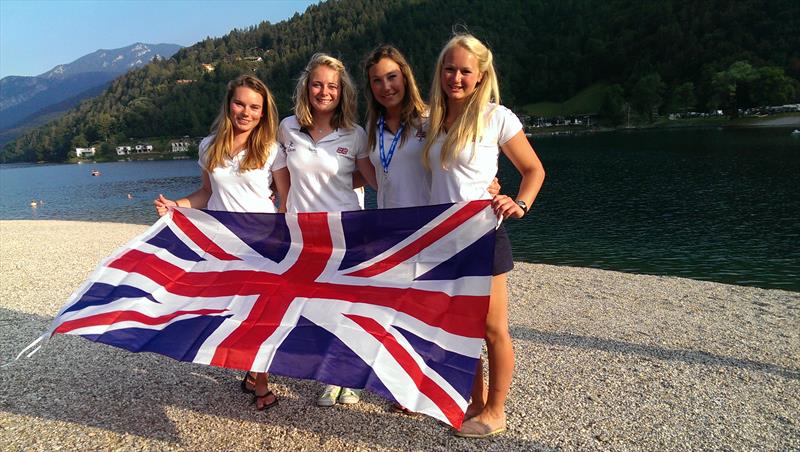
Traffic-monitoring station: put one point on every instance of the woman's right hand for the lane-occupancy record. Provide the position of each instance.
(163, 204)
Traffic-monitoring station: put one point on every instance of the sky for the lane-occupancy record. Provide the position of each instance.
(36, 35)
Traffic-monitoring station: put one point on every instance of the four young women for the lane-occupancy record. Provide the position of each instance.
(414, 156)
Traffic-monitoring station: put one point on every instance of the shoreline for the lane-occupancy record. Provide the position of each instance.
(781, 121)
(605, 360)
(773, 121)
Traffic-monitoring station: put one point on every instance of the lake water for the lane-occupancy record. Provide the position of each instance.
(710, 204)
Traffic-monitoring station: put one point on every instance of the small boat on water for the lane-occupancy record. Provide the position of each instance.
(796, 132)
(95, 172)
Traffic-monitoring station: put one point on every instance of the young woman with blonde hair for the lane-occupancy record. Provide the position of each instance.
(322, 148)
(467, 130)
(237, 166)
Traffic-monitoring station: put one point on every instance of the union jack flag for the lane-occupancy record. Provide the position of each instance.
(392, 300)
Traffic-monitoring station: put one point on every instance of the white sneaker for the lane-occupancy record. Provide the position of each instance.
(349, 396)
(329, 395)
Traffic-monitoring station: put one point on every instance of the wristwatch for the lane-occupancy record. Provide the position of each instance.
(523, 206)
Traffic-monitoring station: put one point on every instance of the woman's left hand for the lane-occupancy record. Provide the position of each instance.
(505, 206)
(494, 187)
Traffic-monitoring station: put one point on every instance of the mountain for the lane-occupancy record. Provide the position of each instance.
(690, 53)
(115, 61)
(22, 97)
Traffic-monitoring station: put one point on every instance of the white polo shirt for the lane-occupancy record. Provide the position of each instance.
(468, 176)
(321, 173)
(407, 182)
(235, 191)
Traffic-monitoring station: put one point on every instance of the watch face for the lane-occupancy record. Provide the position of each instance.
(523, 205)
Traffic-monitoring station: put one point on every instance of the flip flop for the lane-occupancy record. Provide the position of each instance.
(267, 406)
(476, 429)
(400, 409)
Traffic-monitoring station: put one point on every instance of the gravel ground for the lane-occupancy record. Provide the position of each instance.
(605, 361)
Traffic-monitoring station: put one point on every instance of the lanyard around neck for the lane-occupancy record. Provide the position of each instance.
(387, 159)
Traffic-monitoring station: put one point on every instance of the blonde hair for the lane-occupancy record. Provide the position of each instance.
(413, 107)
(345, 115)
(261, 138)
(468, 126)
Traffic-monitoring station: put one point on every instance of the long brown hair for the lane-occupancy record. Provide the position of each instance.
(345, 115)
(468, 126)
(413, 107)
(261, 138)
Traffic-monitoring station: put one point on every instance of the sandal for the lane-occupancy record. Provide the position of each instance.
(248, 379)
(476, 429)
(266, 406)
(400, 409)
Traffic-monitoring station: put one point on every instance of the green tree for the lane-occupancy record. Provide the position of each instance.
(79, 141)
(107, 151)
(683, 98)
(772, 87)
(612, 109)
(729, 86)
(646, 95)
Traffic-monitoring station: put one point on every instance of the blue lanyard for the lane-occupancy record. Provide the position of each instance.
(386, 159)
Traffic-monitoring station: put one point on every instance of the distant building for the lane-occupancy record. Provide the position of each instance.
(138, 149)
(207, 67)
(83, 152)
(123, 150)
(184, 81)
(180, 145)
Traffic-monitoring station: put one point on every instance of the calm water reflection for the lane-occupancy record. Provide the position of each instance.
(705, 204)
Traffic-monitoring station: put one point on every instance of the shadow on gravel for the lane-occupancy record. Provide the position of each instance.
(94, 385)
(666, 354)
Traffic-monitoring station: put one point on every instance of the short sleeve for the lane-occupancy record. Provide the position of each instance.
(360, 143)
(282, 131)
(280, 158)
(508, 124)
(202, 149)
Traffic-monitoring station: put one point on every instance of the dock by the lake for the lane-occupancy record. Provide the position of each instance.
(605, 361)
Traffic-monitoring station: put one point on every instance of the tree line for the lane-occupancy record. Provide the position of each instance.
(656, 56)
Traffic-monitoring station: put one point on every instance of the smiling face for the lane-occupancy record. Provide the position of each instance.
(246, 109)
(460, 74)
(323, 90)
(387, 84)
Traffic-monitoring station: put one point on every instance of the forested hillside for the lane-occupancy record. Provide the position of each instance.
(667, 54)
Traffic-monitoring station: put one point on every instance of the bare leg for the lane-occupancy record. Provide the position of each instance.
(479, 393)
(501, 358)
(263, 396)
(249, 382)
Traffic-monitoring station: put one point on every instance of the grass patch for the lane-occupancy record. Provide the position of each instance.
(587, 101)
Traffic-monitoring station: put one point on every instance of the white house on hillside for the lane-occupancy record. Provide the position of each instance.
(138, 149)
(180, 146)
(82, 152)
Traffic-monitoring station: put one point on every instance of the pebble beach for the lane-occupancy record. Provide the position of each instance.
(605, 361)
